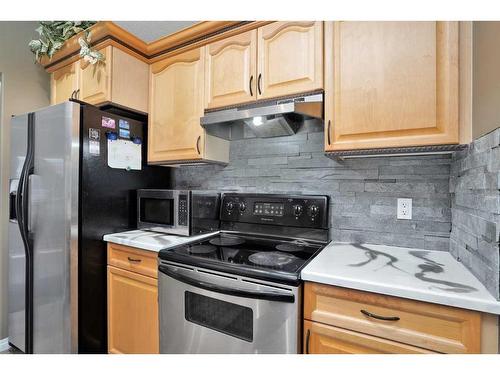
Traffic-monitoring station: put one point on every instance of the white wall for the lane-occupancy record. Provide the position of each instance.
(25, 88)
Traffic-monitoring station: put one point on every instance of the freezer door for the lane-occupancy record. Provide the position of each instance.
(17, 258)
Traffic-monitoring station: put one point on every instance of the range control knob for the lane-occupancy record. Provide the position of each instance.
(229, 206)
(313, 210)
(242, 206)
(297, 210)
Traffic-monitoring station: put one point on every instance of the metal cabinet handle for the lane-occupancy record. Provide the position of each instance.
(73, 94)
(198, 144)
(328, 132)
(380, 317)
(77, 94)
(134, 260)
(308, 338)
(251, 80)
(259, 80)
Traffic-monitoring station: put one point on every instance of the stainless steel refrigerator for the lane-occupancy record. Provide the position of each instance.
(65, 194)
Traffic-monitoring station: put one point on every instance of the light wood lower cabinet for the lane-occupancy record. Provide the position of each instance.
(346, 320)
(133, 325)
(325, 339)
(121, 79)
(391, 84)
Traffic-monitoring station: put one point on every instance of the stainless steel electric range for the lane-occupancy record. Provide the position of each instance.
(239, 290)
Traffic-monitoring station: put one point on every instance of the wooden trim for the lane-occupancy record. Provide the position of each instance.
(188, 34)
(107, 33)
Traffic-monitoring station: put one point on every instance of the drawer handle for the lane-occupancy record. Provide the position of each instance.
(250, 85)
(134, 260)
(259, 80)
(380, 317)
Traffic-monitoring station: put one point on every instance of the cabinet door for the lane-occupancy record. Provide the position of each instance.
(290, 58)
(391, 84)
(230, 70)
(63, 83)
(132, 312)
(176, 105)
(95, 79)
(324, 339)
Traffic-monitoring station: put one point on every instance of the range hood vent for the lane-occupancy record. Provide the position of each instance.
(265, 119)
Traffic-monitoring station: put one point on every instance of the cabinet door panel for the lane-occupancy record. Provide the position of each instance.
(95, 79)
(176, 105)
(391, 84)
(324, 339)
(64, 82)
(290, 58)
(132, 313)
(231, 70)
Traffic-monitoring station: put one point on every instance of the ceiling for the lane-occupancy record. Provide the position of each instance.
(149, 31)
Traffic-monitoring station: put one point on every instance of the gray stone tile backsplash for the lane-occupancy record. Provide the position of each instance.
(475, 208)
(362, 192)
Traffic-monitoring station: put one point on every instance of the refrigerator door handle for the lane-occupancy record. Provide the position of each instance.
(22, 197)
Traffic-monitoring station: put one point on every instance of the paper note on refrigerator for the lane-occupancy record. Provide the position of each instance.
(123, 154)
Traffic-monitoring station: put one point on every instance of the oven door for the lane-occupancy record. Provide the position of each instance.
(165, 211)
(206, 312)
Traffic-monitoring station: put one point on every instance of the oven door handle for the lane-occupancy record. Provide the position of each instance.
(269, 296)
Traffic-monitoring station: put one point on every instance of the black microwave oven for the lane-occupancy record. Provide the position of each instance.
(179, 212)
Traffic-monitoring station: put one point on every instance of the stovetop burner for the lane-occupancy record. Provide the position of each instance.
(202, 249)
(291, 247)
(227, 241)
(271, 259)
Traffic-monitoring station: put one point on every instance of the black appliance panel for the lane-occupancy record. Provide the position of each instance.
(304, 211)
(107, 205)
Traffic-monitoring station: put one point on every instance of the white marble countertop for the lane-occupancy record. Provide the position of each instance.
(151, 241)
(424, 275)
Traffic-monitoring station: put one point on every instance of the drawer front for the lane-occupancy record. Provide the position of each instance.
(135, 260)
(324, 339)
(430, 326)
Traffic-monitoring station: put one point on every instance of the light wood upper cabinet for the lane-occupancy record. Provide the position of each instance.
(230, 70)
(64, 82)
(95, 81)
(121, 79)
(133, 326)
(290, 58)
(176, 106)
(390, 84)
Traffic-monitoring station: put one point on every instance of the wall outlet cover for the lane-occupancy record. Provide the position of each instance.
(404, 209)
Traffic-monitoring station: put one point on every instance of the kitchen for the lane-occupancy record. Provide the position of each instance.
(340, 199)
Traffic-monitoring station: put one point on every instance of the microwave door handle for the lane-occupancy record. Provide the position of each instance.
(269, 296)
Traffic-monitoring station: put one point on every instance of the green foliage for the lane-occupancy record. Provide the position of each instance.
(53, 34)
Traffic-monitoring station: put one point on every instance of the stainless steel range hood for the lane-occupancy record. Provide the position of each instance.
(265, 119)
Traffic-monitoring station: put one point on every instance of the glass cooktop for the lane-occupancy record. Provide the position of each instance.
(262, 257)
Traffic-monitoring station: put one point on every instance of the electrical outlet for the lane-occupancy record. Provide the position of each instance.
(404, 208)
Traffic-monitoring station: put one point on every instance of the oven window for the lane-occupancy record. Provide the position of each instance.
(157, 211)
(229, 318)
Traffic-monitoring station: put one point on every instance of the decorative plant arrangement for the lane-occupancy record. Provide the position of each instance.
(53, 34)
